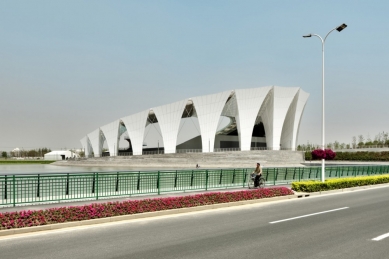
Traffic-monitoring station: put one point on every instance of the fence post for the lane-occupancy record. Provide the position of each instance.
(175, 180)
(67, 184)
(244, 171)
(158, 186)
(221, 175)
(14, 190)
(206, 180)
(38, 187)
(5, 187)
(233, 177)
(274, 177)
(300, 174)
(138, 182)
(117, 182)
(97, 186)
(93, 183)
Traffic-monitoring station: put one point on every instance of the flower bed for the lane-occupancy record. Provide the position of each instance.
(29, 218)
(341, 183)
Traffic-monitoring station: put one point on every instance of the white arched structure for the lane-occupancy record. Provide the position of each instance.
(96, 138)
(135, 125)
(169, 117)
(208, 110)
(87, 146)
(279, 109)
(249, 102)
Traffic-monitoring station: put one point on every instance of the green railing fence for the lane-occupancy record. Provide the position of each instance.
(41, 188)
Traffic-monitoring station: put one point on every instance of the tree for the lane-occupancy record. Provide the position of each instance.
(361, 140)
(354, 142)
(4, 154)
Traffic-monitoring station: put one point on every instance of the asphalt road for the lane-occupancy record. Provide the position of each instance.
(327, 226)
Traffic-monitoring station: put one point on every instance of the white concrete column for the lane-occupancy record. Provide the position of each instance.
(135, 125)
(208, 110)
(292, 121)
(274, 114)
(111, 133)
(86, 146)
(169, 117)
(249, 102)
(97, 141)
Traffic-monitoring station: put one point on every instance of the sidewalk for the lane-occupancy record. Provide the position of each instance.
(47, 205)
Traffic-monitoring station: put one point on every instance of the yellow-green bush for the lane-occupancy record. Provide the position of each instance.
(339, 183)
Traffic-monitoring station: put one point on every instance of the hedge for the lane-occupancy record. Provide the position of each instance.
(341, 183)
(29, 218)
(356, 156)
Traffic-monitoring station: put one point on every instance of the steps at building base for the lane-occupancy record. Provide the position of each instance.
(235, 159)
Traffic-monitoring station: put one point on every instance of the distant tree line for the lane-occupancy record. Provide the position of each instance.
(381, 139)
(40, 152)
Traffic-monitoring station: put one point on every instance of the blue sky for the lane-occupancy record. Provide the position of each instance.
(68, 67)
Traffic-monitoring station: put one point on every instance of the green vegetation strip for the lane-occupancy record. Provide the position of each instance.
(25, 161)
(334, 184)
(30, 218)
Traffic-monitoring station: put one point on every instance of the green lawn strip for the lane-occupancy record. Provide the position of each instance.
(6, 161)
(341, 183)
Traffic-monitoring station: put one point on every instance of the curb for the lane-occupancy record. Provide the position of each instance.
(24, 230)
(345, 190)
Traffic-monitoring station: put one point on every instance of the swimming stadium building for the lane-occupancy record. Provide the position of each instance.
(257, 118)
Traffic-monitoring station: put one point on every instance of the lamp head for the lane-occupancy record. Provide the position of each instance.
(307, 36)
(341, 27)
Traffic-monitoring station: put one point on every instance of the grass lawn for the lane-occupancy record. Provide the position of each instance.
(15, 161)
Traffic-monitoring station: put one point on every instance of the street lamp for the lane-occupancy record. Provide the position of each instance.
(339, 28)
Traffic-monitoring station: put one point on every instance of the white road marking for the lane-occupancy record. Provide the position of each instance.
(381, 237)
(308, 215)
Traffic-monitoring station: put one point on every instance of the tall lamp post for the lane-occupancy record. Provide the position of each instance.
(339, 29)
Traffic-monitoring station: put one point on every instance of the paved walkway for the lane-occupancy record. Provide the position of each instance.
(43, 206)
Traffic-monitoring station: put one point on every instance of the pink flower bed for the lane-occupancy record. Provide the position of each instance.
(29, 218)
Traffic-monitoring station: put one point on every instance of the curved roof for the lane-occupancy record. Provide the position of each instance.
(278, 108)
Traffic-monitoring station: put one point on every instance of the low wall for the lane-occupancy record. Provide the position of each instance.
(233, 159)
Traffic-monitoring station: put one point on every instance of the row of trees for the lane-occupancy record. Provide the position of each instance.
(381, 139)
(40, 152)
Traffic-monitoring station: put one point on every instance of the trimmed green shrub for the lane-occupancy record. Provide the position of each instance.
(340, 183)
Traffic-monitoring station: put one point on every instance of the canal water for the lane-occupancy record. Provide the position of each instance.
(21, 169)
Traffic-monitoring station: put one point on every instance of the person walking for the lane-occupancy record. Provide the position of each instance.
(258, 174)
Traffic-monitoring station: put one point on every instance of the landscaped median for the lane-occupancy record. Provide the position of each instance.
(23, 219)
(340, 183)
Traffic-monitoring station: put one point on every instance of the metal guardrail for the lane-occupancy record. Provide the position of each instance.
(44, 188)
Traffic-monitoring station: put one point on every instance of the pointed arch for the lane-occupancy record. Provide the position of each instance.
(97, 138)
(169, 117)
(249, 103)
(86, 145)
(208, 110)
(274, 114)
(292, 121)
(135, 125)
(111, 133)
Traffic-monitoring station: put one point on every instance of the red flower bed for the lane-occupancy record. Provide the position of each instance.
(327, 154)
(29, 218)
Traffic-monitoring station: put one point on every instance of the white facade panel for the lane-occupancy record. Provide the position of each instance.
(208, 110)
(249, 102)
(169, 117)
(275, 113)
(86, 146)
(302, 101)
(135, 125)
(111, 133)
(97, 141)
